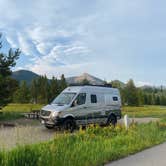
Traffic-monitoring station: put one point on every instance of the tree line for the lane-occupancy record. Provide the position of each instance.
(133, 96)
(41, 90)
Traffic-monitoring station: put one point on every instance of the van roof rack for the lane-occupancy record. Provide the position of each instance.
(106, 85)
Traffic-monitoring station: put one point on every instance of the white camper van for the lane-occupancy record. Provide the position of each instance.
(82, 105)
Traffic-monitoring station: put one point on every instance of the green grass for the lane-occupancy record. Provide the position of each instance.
(21, 107)
(12, 111)
(145, 111)
(8, 116)
(94, 146)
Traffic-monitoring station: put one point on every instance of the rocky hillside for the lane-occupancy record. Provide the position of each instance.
(85, 76)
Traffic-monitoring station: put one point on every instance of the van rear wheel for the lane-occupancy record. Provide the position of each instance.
(69, 125)
(112, 120)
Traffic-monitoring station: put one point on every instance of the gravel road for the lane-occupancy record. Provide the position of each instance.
(26, 131)
(12, 136)
(155, 156)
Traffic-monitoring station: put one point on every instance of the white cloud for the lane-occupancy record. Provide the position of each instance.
(55, 69)
(12, 42)
(27, 46)
(44, 47)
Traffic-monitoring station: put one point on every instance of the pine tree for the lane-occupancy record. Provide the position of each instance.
(43, 89)
(34, 91)
(22, 95)
(116, 84)
(54, 88)
(140, 97)
(157, 100)
(163, 100)
(62, 83)
(131, 94)
(6, 62)
(150, 99)
(145, 98)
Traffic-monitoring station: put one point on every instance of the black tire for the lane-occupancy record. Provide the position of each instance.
(69, 125)
(112, 120)
(49, 127)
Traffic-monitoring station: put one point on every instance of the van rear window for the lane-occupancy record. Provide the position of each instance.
(115, 98)
(93, 99)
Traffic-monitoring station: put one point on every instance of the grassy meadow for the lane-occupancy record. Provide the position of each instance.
(13, 111)
(145, 111)
(23, 108)
(93, 146)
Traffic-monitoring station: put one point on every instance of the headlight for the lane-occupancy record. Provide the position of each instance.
(54, 114)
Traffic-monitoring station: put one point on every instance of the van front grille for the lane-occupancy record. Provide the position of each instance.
(45, 113)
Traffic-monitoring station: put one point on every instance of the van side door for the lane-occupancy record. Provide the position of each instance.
(97, 110)
(93, 111)
(78, 108)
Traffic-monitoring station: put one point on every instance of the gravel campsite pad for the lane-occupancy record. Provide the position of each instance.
(24, 134)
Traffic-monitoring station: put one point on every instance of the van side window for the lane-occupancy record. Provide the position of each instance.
(115, 98)
(93, 99)
(81, 98)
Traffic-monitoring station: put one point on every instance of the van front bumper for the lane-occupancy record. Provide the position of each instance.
(49, 122)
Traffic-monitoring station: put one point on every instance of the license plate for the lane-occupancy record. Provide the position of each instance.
(43, 122)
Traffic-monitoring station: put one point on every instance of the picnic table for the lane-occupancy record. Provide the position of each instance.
(35, 114)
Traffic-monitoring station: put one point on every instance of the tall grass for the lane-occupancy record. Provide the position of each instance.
(93, 146)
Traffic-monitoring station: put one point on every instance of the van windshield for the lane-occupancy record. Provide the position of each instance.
(64, 98)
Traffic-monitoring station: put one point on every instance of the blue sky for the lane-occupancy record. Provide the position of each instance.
(111, 39)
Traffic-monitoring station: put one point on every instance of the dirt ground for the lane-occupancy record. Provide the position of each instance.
(27, 131)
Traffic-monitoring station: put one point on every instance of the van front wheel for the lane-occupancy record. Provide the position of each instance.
(49, 127)
(69, 125)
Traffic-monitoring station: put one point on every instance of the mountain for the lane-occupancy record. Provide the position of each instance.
(28, 76)
(24, 75)
(85, 76)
